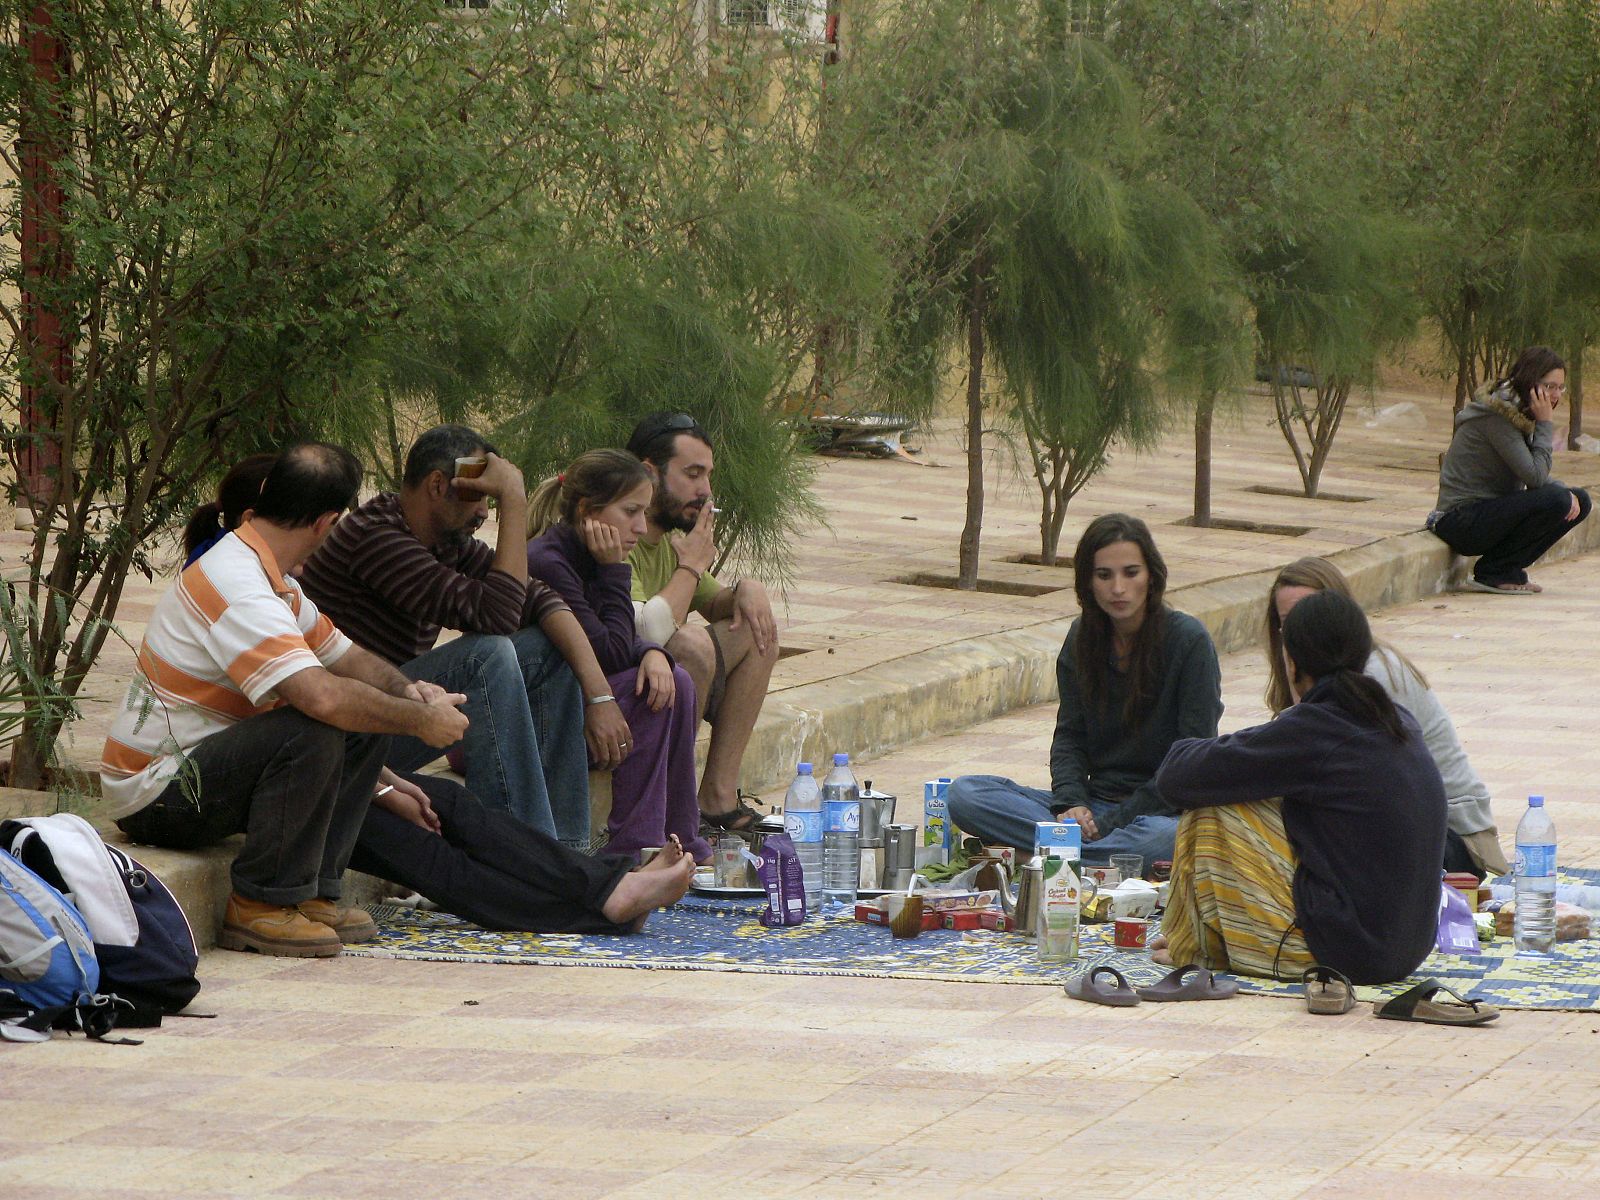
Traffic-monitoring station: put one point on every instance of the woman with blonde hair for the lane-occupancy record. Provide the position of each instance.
(1472, 843)
(581, 526)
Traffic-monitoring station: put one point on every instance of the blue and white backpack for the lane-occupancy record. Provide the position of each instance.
(47, 962)
(144, 945)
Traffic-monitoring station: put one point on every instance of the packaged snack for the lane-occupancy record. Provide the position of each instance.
(784, 881)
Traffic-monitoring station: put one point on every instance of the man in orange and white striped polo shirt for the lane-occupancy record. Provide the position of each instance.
(251, 713)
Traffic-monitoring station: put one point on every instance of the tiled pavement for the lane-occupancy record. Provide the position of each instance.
(361, 1077)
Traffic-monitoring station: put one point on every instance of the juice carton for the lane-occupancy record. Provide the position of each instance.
(1063, 839)
(1057, 924)
(937, 831)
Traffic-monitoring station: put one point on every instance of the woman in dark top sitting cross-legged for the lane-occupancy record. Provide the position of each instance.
(582, 524)
(1134, 676)
(1315, 838)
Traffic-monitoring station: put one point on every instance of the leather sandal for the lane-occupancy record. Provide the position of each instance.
(741, 818)
(1418, 1004)
(1328, 992)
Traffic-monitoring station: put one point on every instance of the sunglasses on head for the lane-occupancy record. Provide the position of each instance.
(671, 423)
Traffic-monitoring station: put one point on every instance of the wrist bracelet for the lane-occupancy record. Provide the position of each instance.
(698, 575)
(383, 791)
(593, 700)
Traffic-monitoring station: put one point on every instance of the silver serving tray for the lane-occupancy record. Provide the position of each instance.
(704, 884)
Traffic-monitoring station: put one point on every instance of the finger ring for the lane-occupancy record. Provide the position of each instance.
(624, 745)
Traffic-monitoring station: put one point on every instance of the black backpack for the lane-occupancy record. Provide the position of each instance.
(143, 942)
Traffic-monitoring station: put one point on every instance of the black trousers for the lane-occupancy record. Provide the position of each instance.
(296, 788)
(1511, 532)
(488, 867)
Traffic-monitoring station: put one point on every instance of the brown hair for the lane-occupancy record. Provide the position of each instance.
(1093, 657)
(598, 476)
(1532, 365)
(1320, 575)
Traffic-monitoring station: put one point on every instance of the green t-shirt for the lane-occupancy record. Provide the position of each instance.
(654, 565)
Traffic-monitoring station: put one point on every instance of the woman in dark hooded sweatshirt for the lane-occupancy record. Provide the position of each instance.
(1496, 497)
(1315, 838)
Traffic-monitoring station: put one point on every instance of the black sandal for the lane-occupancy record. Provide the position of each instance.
(739, 819)
(1419, 1004)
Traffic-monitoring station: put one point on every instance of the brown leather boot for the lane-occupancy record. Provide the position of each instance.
(275, 929)
(351, 924)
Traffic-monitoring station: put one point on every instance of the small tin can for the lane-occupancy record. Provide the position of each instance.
(1130, 933)
(1467, 884)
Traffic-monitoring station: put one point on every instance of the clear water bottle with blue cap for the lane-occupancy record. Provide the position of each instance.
(841, 836)
(802, 821)
(1534, 923)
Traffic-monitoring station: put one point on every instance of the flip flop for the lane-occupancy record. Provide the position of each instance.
(1418, 1004)
(1086, 985)
(1328, 992)
(1189, 983)
(1499, 589)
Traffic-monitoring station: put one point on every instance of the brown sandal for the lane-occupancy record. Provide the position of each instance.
(739, 819)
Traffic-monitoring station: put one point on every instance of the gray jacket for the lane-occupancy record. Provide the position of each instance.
(1497, 449)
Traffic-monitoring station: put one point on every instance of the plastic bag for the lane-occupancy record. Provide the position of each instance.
(1458, 934)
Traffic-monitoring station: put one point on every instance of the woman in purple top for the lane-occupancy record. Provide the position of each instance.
(582, 524)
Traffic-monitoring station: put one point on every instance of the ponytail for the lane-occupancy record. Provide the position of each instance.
(1364, 699)
(1328, 638)
(544, 506)
(236, 495)
(204, 530)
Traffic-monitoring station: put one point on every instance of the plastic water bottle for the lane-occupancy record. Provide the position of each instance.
(841, 836)
(802, 821)
(1534, 929)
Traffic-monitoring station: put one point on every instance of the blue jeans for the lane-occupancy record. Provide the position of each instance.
(1003, 813)
(524, 747)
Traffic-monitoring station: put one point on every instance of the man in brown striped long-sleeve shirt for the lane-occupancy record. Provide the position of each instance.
(403, 566)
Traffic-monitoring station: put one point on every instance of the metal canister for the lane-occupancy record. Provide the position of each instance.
(766, 827)
(877, 812)
(1028, 897)
(899, 856)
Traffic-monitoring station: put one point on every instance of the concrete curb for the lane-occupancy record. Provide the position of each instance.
(933, 692)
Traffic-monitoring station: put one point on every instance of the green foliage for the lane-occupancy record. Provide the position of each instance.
(255, 194)
(1494, 111)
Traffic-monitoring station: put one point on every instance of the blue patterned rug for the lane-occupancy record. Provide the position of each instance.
(700, 934)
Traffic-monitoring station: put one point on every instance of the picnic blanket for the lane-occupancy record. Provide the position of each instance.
(700, 934)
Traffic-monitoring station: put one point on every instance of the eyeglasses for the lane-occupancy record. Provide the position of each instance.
(1559, 389)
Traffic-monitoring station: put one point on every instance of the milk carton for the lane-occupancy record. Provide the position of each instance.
(1062, 839)
(937, 831)
(1059, 896)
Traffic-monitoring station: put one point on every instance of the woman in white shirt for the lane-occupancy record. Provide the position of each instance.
(1472, 843)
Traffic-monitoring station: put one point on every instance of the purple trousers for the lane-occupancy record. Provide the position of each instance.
(653, 792)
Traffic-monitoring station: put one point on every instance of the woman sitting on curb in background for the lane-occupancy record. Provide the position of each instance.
(582, 524)
(1134, 677)
(1496, 497)
(1471, 842)
(1317, 837)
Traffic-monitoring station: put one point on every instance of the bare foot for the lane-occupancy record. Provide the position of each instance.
(1159, 952)
(641, 892)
